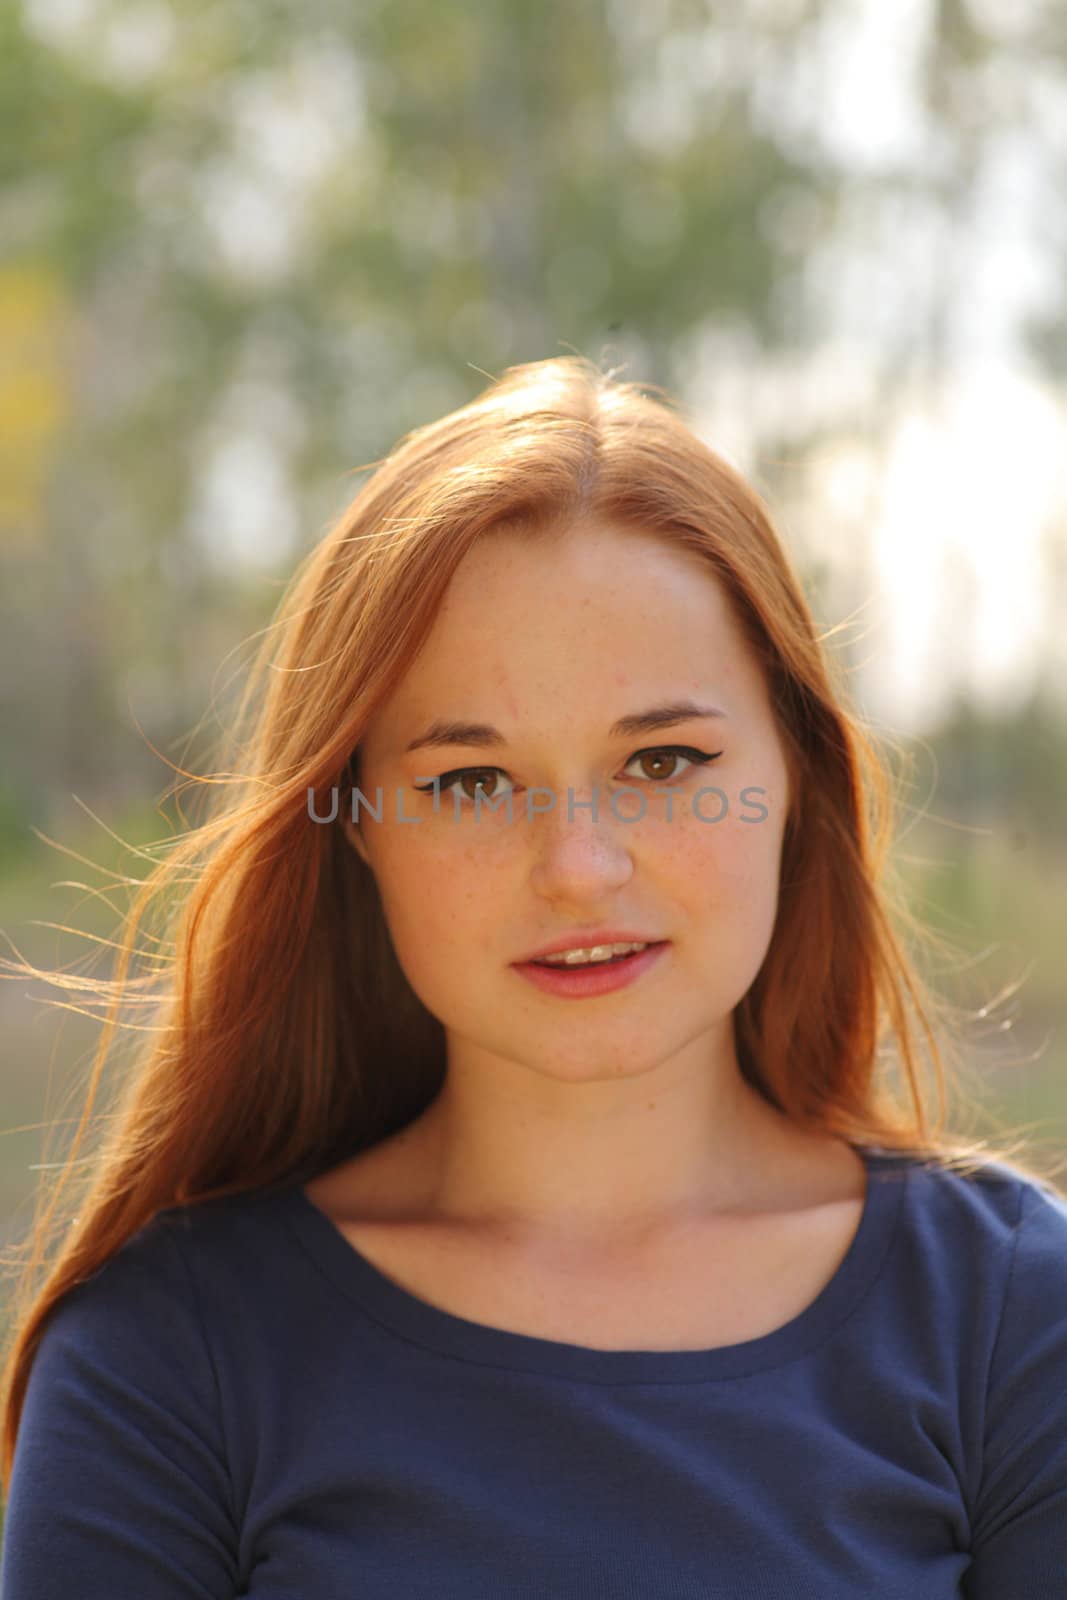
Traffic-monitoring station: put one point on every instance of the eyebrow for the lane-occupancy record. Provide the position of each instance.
(482, 733)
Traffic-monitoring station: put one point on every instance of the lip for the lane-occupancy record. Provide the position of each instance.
(584, 982)
(579, 939)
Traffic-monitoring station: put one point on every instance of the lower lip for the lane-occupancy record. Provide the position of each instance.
(576, 983)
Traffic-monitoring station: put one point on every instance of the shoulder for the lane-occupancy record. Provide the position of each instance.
(1034, 1301)
(123, 1463)
(1025, 1219)
(147, 1274)
(987, 1253)
(994, 1205)
(1016, 1231)
(974, 1256)
(148, 1338)
(153, 1292)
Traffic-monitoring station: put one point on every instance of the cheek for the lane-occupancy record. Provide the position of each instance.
(726, 875)
(438, 907)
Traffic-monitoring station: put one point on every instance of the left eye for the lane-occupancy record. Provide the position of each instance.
(674, 752)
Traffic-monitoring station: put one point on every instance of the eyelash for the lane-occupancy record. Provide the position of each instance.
(698, 758)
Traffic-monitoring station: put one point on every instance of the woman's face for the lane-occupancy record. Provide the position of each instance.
(551, 643)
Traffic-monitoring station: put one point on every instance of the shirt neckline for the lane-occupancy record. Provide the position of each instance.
(448, 1334)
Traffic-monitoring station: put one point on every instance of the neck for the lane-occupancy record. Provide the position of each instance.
(611, 1165)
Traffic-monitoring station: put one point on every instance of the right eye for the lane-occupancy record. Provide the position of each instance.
(448, 780)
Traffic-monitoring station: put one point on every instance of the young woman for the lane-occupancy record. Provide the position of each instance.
(512, 1196)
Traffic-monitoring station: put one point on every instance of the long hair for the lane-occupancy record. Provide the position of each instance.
(276, 1033)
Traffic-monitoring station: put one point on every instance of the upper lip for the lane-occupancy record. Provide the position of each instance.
(578, 940)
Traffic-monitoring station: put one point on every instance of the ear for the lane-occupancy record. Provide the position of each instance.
(354, 835)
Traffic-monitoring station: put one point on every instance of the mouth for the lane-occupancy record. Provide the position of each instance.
(591, 978)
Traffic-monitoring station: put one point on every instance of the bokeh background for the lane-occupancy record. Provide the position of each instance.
(246, 244)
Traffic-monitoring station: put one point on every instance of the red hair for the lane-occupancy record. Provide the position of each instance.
(279, 1034)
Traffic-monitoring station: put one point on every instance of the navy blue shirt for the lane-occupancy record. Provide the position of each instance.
(239, 1403)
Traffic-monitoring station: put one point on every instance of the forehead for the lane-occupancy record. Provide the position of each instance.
(582, 620)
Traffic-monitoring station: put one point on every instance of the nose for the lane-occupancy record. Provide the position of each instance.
(578, 854)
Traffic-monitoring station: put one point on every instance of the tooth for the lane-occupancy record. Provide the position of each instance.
(595, 955)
